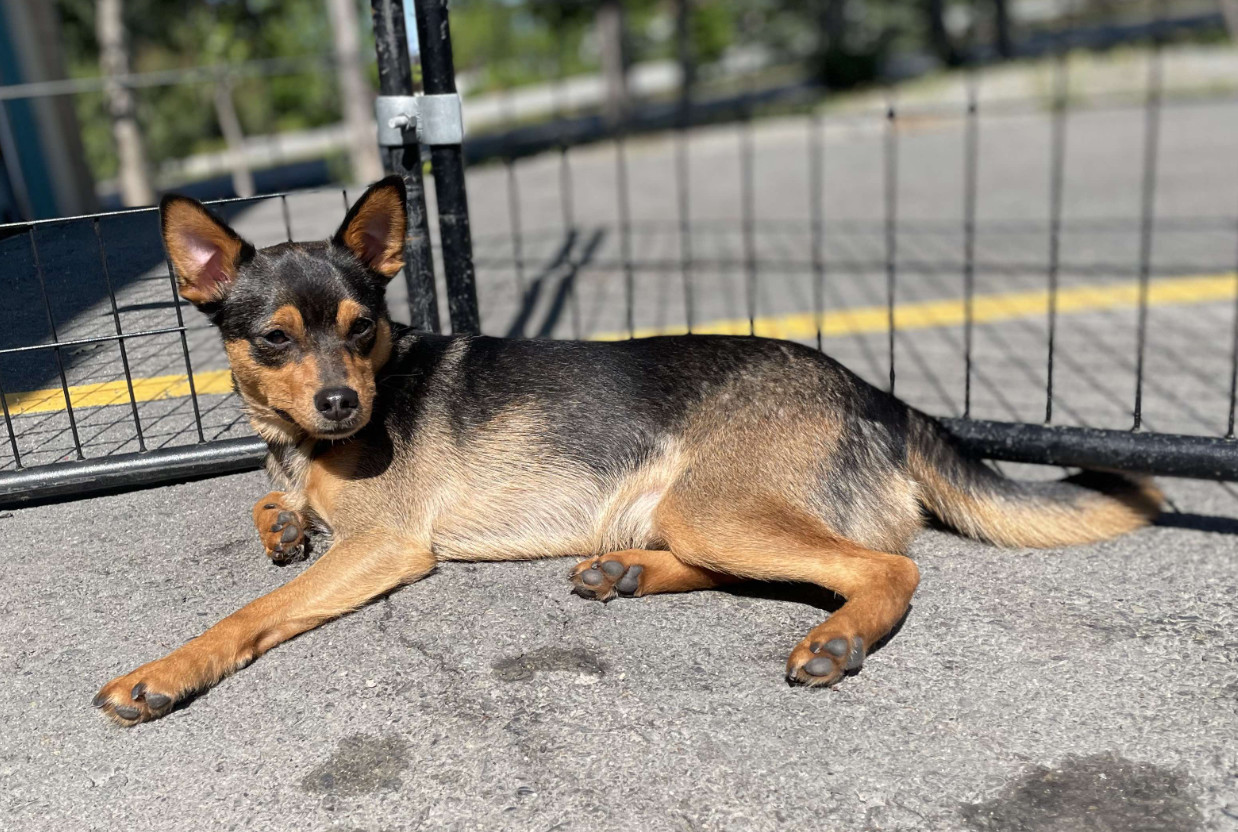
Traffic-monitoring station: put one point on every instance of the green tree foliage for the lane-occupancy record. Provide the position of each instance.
(170, 34)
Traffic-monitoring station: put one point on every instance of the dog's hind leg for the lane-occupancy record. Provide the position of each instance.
(351, 573)
(779, 543)
(641, 572)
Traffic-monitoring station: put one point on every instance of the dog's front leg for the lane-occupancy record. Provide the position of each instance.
(352, 572)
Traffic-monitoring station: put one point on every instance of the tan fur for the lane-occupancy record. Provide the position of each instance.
(346, 314)
(327, 476)
(288, 319)
(289, 388)
(187, 220)
(376, 234)
(1045, 524)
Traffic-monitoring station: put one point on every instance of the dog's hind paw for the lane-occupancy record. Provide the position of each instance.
(605, 577)
(822, 660)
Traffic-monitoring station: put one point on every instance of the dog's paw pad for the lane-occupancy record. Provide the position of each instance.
(603, 578)
(612, 568)
(630, 582)
(820, 667)
(825, 661)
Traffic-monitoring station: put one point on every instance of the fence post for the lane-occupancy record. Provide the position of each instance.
(395, 77)
(438, 76)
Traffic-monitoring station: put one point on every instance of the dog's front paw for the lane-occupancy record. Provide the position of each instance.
(282, 530)
(145, 694)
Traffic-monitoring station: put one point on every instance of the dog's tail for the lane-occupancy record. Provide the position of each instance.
(974, 499)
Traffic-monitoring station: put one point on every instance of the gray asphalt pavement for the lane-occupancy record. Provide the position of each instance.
(1047, 691)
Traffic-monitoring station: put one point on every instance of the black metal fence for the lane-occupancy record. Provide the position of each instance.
(1054, 277)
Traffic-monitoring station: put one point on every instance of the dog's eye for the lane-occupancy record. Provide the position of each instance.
(276, 337)
(361, 327)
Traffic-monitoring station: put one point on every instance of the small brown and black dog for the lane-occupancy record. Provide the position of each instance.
(669, 464)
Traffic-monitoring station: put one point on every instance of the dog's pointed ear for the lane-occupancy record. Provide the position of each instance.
(204, 251)
(374, 228)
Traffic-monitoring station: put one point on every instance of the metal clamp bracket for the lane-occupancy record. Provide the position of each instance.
(413, 119)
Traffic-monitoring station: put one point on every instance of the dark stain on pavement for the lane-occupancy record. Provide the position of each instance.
(1100, 793)
(360, 765)
(549, 660)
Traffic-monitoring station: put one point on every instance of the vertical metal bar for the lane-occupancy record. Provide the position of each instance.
(283, 202)
(8, 423)
(687, 65)
(1057, 169)
(566, 205)
(395, 77)
(344, 194)
(124, 356)
(447, 163)
(971, 162)
(816, 213)
(625, 234)
(180, 323)
(1151, 148)
(682, 190)
(747, 207)
(51, 323)
(1233, 366)
(891, 224)
(513, 211)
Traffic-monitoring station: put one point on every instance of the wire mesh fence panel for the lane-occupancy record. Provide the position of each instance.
(1039, 249)
(102, 357)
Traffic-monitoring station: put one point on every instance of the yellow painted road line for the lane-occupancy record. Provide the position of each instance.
(985, 309)
(800, 326)
(117, 392)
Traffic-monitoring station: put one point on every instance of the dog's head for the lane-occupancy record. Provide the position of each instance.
(305, 324)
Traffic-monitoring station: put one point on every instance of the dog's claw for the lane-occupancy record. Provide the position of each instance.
(856, 660)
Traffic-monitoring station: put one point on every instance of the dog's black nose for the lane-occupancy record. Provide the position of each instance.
(337, 403)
